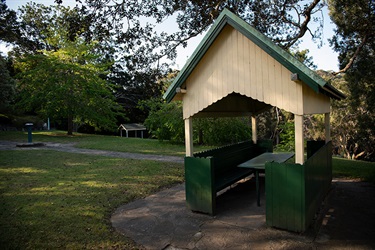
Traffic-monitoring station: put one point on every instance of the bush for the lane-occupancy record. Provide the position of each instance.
(286, 134)
(221, 131)
(19, 121)
(5, 119)
(165, 120)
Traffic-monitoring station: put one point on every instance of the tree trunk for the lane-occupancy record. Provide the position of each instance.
(70, 124)
(200, 137)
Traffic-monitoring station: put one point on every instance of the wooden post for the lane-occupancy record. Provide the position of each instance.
(299, 146)
(254, 128)
(189, 136)
(327, 127)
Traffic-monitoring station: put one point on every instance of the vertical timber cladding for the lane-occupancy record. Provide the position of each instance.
(200, 189)
(318, 178)
(233, 63)
(295, 192)
(285, 199)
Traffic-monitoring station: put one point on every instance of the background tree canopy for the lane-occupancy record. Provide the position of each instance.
(67, 83)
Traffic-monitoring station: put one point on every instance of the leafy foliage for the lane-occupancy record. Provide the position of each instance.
(286, 135)
(355, 29)
(222, 131)
(352, 119)
(132, 23)
(7, 85)
(9, 26)
(135, 87)
(165, 120)
(354, 40)
(165, 123)
(67, 84)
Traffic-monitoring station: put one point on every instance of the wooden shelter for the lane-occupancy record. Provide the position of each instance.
(129, 127)
(237, 71)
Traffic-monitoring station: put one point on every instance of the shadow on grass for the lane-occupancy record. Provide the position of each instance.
(54, 199)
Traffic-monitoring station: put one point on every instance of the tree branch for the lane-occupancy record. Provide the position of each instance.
(351, 60)
(303, 27)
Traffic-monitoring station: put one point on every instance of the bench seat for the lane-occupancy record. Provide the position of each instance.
(208, 172)
(231, 177)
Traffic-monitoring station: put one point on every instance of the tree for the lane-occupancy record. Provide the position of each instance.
(135, 87)
(62, 75)
(7, 85)
(67, 83)
(9, 26)
(132, 23)
(355, 29)
(355, 43)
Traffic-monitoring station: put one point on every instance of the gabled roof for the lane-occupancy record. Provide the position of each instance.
(306, 75)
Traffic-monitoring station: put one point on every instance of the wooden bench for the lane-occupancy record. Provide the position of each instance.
(208, 172)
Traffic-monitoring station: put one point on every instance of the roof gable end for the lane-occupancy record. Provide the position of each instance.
(306, 75)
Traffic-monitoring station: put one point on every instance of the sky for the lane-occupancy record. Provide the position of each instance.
(323, 57)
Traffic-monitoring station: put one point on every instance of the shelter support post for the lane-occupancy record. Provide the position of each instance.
(327, 127)
(299, 146)
(254, 128)
(189, 136)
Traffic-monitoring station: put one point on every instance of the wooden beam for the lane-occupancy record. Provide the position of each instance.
(327, 127)
(299, 145)
(254, 128)
(189, 136)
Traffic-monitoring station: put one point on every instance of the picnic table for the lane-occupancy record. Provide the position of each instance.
(258, 165)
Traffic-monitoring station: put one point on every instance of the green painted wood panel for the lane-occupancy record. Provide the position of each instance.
(200, 189)
(284, 196)
(294, 192)
(209, 171)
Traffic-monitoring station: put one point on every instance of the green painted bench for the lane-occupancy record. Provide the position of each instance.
(208, 172)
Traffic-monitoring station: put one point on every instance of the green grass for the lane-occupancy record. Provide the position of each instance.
(43, 136)
(111, 143)
(53, 200)
(343, 168)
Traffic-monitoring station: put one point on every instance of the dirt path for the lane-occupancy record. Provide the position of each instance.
(65, 147)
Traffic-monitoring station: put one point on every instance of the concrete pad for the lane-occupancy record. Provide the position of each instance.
(162, 221)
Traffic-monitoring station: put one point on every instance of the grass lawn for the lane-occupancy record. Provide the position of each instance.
(112, 143)
(345, 168)
(53, 200)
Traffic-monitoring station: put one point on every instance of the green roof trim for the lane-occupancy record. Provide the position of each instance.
(305, 74)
